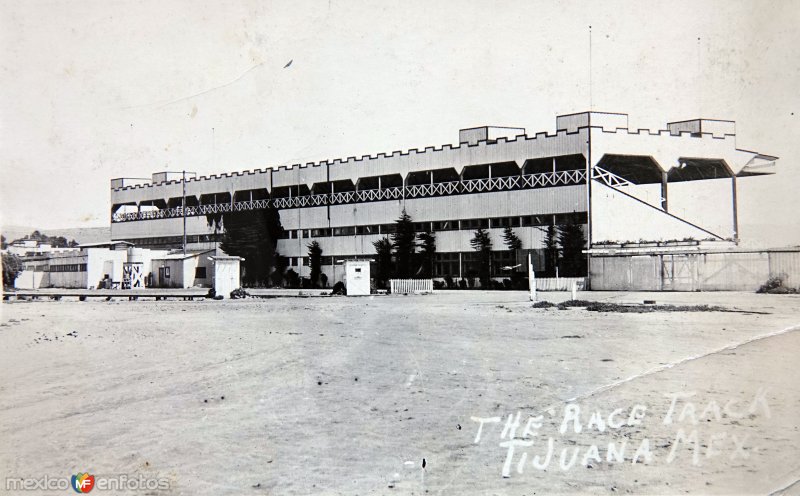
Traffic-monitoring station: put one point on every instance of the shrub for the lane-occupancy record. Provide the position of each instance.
(339, 289)
(292, 279)
(239, 293)
(574, 303)
(12, 267)
(775, 285)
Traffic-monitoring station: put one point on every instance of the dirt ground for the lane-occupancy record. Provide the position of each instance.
(354, 395)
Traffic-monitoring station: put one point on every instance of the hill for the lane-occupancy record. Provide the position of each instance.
(79, 234)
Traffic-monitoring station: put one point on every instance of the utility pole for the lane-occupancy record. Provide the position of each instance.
(183, 211)
(183, 205)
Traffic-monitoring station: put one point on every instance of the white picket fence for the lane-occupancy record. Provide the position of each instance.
(560, 283)
(411, 286)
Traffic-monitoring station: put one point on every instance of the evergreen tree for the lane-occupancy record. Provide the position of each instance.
(550, 251)
(281, 263)
(404, 243)
(315, 258)
(482, 243)
(252, 235)
(573, 242)
(383, 268)
(427, 253)
(511, 239)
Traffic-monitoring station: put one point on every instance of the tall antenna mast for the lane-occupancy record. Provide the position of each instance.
(699, 84)
(591, 103)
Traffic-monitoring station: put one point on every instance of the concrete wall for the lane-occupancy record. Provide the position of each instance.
(32, 279)
(617, 217)
(707, 203)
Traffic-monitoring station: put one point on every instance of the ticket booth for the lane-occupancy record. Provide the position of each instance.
(227, 275)
(356, 273)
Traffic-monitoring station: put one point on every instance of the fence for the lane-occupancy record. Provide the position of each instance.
(406, 286)
(736, 270)
(560, 283)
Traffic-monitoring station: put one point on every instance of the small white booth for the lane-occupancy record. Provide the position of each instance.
(227, 275)
(356, 273)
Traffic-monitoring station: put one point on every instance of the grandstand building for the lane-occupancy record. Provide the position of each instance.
(623, 185)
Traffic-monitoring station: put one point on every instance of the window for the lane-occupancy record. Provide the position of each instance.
(537, 220)
(474, 224)
(571, 218)
(358, 269)
(506, 222)
(445, 225)
(200, 273)
(502, 259)
(446, 264)
(66, 268)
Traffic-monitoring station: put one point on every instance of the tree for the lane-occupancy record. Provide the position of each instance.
(482, 243)
(383, 269)
(315, 259)
(252, 235)
(511, 239)
(281, 263)
(427, 253)
(292, 279)
(3, 244)
(12, 267)
(573, 242)
(404, 243)
(41, 238)
(550, 251)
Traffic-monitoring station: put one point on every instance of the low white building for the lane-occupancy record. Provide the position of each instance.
(183, 270)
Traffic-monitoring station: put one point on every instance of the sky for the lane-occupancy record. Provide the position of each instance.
(94, 90)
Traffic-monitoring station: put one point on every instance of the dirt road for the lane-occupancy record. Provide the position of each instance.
(349, 396)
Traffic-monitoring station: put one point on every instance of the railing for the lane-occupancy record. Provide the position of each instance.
(609, 178)
(509, 183)
(410, 286)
